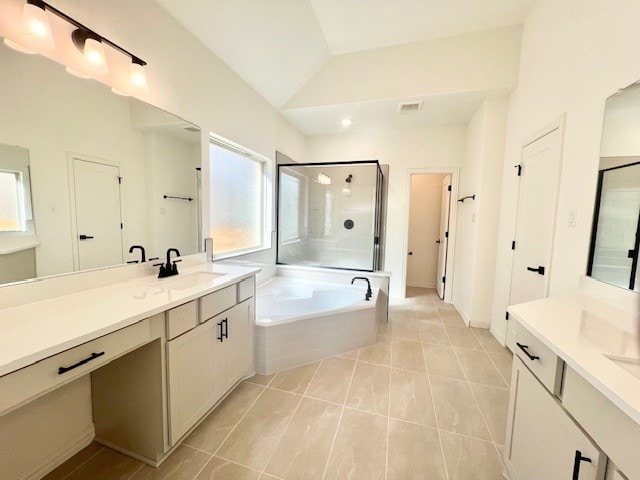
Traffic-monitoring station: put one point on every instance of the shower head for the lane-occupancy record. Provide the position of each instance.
(348, 179)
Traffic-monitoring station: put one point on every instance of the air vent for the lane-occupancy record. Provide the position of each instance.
(191, 128)
(409, 107)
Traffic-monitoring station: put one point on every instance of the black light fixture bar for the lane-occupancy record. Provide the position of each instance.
(86, 31)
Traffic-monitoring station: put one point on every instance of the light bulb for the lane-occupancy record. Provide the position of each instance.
(36, 28)
(18, 47)
(346, 122)
(95, 57)
(138, 76)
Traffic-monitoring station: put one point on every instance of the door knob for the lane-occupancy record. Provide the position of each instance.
(85, 237)
(410, 253)
(438, 241)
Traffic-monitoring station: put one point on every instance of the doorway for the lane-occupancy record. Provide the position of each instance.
(539, 175)
(96, 213)
(428, 232)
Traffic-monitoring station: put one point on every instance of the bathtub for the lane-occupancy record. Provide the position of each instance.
(299, 321)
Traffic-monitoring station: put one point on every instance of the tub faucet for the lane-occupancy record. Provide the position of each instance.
(367, 295)
(170, 268)
(141, 248)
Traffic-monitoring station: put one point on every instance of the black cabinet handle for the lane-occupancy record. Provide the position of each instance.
(85, 237)
(526, 352)
(437, 241)
(221, 336)
(539, 270)
(226, 327)
(93, 356)
(576, 464)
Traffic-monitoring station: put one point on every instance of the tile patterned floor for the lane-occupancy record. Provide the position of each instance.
(427, 401)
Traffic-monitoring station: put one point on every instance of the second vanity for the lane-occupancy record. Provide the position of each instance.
(161, 353)
(574, 410)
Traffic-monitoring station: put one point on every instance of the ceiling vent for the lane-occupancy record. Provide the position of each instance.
(409, 107)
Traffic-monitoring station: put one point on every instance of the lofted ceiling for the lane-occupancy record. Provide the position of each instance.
(278, 46)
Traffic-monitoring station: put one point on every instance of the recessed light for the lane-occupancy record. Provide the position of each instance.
(346, 122)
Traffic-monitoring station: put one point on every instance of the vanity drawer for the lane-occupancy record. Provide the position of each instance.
(542, 362)
(611, 428)
(47, 374)
(217, 302)
(246, 289)
(182, 319)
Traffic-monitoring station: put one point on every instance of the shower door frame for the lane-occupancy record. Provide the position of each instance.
(377, 233)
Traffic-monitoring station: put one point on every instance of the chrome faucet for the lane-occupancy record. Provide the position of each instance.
(170, 268)
(141, 248)
(367, 295)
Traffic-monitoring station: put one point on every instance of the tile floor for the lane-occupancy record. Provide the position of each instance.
(427, 401)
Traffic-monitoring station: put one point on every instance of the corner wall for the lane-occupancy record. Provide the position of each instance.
(574, 55)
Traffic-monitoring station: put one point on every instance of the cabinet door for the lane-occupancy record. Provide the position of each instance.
(543, 441)
(238, 343)
(191, 360)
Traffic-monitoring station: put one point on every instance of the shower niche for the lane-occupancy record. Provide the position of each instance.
(330, 215)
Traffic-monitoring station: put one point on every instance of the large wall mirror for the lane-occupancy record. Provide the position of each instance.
(85, 174)
(616, 228)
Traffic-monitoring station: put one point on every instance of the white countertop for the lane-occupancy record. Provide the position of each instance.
(32, 332)
(581, 329)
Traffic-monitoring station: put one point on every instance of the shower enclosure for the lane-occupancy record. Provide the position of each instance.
(329, 214)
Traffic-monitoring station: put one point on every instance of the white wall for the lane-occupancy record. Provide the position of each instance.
(436, 147)
(186, 79)
(475, 251)
(574, 55)
(424, 229)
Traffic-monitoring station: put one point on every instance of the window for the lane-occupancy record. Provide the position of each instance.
(11, 209)
(290, 200)
(239, 218)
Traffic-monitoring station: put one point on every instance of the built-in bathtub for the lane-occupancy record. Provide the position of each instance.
(299, 321)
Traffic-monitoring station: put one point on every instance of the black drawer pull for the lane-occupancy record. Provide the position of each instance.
(576, 464)
(539, 270)
(221, 336)
(93, 356)
(526, 352)
(226, 327)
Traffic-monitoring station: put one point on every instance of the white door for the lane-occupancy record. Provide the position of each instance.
(536, 219)
(98, 215)
(443, 238)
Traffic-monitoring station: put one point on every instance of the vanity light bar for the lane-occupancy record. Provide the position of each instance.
(87, 41)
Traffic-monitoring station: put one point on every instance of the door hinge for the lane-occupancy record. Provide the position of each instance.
(121, 225)
(120, 180)
(519, 167)
(513, 245)
(448, 188)
(506, 316)
(444, 279)
(446, 234)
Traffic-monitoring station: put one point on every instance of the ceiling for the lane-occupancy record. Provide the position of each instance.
(277, 46)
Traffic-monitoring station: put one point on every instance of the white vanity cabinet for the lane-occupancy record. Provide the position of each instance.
(542, 440)
(192, 378)
(209, 348)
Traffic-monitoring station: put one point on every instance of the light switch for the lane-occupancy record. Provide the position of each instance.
(572, 219)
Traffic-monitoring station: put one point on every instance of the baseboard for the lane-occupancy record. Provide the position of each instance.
(63, 453)
(502, 340)
(464, 316)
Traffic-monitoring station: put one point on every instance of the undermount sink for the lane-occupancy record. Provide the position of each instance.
(629, 364)
(190, 280)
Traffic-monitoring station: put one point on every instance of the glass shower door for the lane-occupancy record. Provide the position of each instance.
(328, 215)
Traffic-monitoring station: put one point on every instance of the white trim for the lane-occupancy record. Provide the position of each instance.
(60, 455)
(455, 175)
(421, 285)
